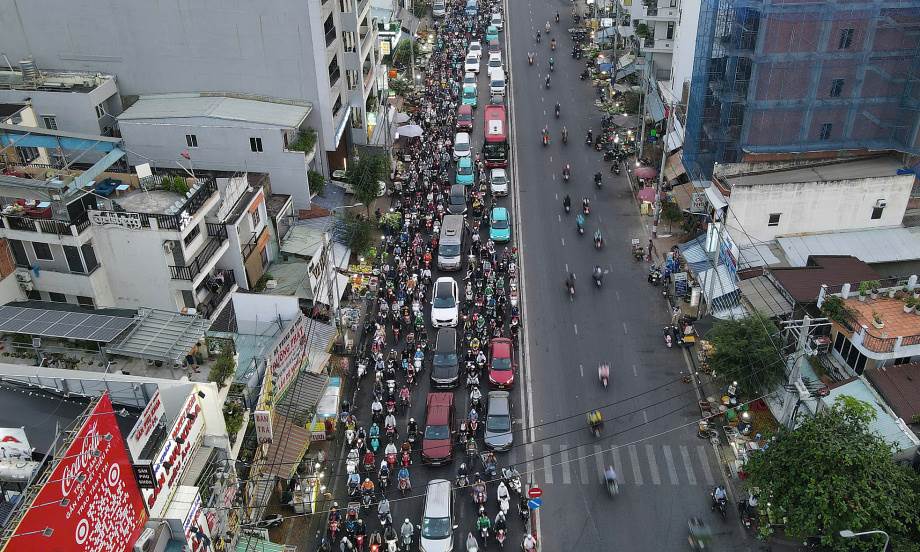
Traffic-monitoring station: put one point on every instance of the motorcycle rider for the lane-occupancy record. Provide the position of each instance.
(558, 109)
(598, 273)
(567, 203)
(565, 134)
(585, 205)
(590, 137)
(383, 511)
(718, 495)
(595, 419)
(412, 427)
(570, 282)
(475, 396)
(557, 17)
(547, 81)
(580, 222)
(566, 172)
(483, 523)
(552, 64)
(598, 177)
(530, 543)
(610, 477)
(530, 58)
(462, 473)
(598, 238)
(368, 486)
(500, 524)
(407, 530)
(404, 475)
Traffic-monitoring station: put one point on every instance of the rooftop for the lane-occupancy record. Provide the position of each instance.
(804, 283)
(900, 386)
(274, 203)
(897, 322)
(9, 109)
(884, 424)
(150, 201)
(875, 167)
(881, 245)
(282, 113)
(52, 81)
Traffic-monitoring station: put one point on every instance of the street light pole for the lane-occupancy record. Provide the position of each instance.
(848, 534)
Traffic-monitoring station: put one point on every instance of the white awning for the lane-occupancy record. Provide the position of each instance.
(675, 138)
(715, 197)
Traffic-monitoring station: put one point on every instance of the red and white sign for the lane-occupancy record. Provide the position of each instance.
(103, 510)
(14, 444)
(197, 531)
(170, 462)
(534, 492)
(145, 425)
(263, 421)
(288, 355)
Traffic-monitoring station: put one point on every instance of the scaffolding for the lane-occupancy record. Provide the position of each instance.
(775, 77)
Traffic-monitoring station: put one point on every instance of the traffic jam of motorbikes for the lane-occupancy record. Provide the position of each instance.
(448, 305)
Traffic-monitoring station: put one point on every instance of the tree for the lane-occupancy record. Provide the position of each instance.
(364, 175)
(671, 213)
(832, 473)
(747, 351)
(403, 52)
(359, 232)
(317, 182)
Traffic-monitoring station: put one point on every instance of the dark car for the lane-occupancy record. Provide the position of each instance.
(437, 442)
(445, 362)
(465, 118)
(456, 200)
(498, 435)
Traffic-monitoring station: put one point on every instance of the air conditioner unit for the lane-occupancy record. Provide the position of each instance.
(26, 286)
(881, 204)
(146, 541)
(23, 276)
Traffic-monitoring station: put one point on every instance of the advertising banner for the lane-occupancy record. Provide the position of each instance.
(263, 421)
(288, 355)
(145, 425)
(90, 502)
(14, 444)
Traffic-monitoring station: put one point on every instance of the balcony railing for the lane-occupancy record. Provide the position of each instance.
(219, 287)
(46, 226)
(250, 246)
(197, 265)
(216, 230)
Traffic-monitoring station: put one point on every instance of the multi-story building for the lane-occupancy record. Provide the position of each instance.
(773, 77)
(654, 27)
(293, 49)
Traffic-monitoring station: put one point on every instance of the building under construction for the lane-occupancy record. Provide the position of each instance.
(775, 76)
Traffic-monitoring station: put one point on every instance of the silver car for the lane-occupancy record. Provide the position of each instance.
(498, 421)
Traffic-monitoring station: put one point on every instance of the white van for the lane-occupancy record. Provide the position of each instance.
(450, 245)
(497, 82)
(439, 8)
(436, 533)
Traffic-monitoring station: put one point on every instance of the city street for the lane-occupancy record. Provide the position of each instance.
(665, 471)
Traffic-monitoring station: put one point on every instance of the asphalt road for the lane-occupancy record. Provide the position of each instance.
(665, 471)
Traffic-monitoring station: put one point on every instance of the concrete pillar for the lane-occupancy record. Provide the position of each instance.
(845, 291)
(822, 293)
(912, 282)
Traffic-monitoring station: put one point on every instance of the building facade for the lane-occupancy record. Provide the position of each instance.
(778, 77)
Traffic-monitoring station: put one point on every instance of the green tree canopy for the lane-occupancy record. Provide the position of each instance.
(364, 174)
(747, 351)
(831, 474)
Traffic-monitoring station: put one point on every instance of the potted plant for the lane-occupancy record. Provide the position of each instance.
(909, 305)
(916, 292)
(877, 321)
(891, 292)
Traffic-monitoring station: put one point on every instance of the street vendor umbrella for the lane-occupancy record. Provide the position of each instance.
(401, 118)
(625, 121)
(644, 172)
(409, 131)
(647, 195)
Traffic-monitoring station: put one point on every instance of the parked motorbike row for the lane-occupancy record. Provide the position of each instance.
(398, 343)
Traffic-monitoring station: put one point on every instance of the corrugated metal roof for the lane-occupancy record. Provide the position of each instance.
(161, 335)
(882, 245)
(184, 106)
(884, 425)
(761, 293)
(804, 283)
(900, 385)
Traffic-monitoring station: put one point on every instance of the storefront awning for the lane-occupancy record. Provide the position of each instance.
(674, 167)
(721, 293)
(715, 197)
(287, 447)
(675, 138)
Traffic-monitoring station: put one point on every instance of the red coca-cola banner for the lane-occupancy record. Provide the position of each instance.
(90, 503)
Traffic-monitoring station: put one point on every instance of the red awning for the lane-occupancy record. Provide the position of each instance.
(647, 194)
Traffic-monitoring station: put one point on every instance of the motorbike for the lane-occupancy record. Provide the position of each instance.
(479, 493)
(547, 82)
(530, 59)
(586, 208)
(504, 498)
(615, 168)
(589, 139)
(472, 545)
(598, 242)
(512, 479)
(603, 374)
(404, 485)
(566, 172)
(362, 368)
(557, 111)
(721, 504)
(654, 275)
(545, 139)
(668, 340)
(598, 181)
(598, 277)
(500, 536)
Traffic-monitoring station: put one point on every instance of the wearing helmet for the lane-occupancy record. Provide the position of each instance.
(335, 504)
(411, 420)
(463, 466)
(367, 479)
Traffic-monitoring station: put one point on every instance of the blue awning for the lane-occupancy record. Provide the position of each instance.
(654, 105)
(694, 252)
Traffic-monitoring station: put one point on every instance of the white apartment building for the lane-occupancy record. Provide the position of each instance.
(223, 133)
(654, 28)
(293, 49)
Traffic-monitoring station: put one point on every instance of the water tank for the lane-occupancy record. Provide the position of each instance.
(29, 70)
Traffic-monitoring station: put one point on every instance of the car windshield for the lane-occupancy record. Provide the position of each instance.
(472, 60)
(466, 117)
(469, 92)
(443, 298)
(500, 180)
(436, 528)
(462, 146)
(500, 422)
(437, 432)
(444, 359)
(465, 168)
(449, 250)
(501, 363)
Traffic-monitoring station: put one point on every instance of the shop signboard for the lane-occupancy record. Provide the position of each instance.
(90, 502)
(196, 527)
(14, 444)
(145, 425)
(289, 355)
(263, 421)
(170, 463)
(143, 473)
(131, 221)
(680, 283)
(698, 203)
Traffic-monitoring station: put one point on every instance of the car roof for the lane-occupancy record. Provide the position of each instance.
(500, 212)
(462, 137)
(500, 343)
(439, 408)
(444, 279)
(445, 336)
(465, 108)
(496, 172)
(493, 42)
(476, 42)
(465, 161)
(499, 398)
(438, 498)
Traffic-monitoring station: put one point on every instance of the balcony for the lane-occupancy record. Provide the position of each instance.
(175, 215)
(249, 247)
(199, 264)
(330, 37)
(899, 335)
(657, 45)
(221, 284)
(656, 13)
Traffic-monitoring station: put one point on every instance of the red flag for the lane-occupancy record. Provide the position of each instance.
(186, 154)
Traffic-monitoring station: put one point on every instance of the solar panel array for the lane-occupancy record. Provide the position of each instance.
(62, 324)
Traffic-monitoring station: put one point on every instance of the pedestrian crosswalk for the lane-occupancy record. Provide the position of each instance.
(637, 465)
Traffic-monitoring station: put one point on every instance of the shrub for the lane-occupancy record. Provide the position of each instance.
(317, 182)
(306, 140)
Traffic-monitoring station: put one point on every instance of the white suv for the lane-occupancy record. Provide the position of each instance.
(445, 303)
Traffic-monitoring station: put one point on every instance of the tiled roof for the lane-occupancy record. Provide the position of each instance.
(804, 283)
(900, 386)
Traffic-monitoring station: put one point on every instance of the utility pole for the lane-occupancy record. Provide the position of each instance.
(664, 157)
(642, 107)
(412, 45)
(796, 390)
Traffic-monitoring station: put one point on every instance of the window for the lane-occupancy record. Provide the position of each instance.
(357, 117)
(670, 34)
(89, 257)
(42, 251)
(57, 297)
(255, 144)
(774, 219)
(19, 254)
(74, 262)
(348, 41)
(100, 111)
(877, 211)
(351, 79)
(84, 301)
(826, 131)
(256, 219)
(346, 6)
(337, 106)
(329, 30)
(26, 154)
(264, 256)
(846, 38)
(193, 233)
(50, 122)
(34, 295)
(191, 140)
(836, 88)
(334, 72)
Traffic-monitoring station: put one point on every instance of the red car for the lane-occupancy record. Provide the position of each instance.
(501, 363)
(439, 420)
(465, 118)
